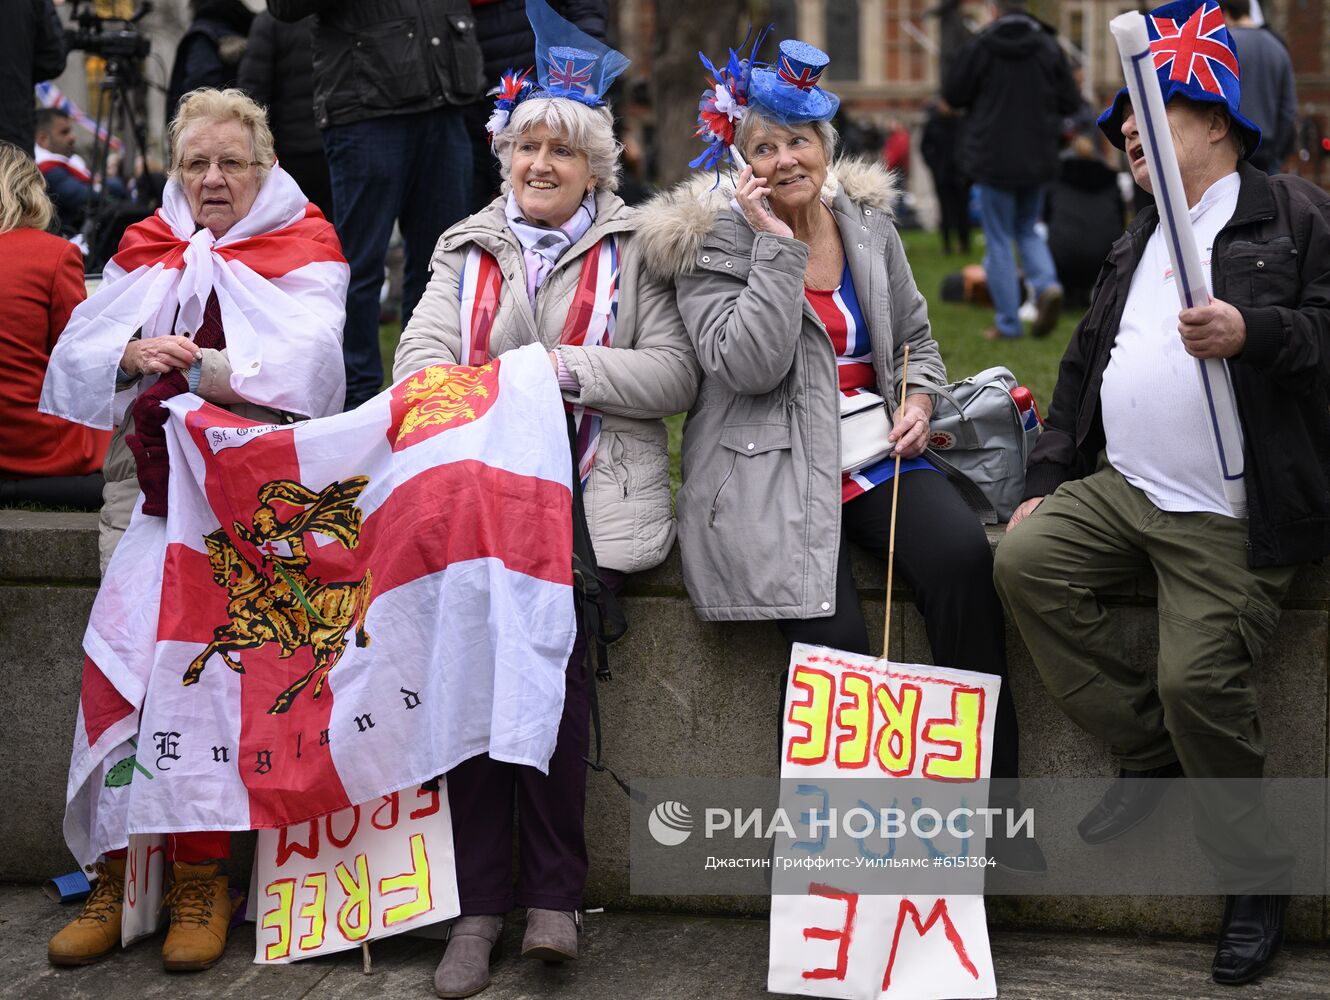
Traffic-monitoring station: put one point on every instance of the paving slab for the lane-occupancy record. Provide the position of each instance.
(631, 955)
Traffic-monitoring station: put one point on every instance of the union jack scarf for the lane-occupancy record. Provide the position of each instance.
(590, 322)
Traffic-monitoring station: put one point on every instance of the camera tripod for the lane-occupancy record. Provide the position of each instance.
(118, 110)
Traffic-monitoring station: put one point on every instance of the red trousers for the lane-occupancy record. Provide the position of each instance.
(192, 848)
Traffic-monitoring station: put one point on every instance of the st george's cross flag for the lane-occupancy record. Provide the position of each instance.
(332, 610)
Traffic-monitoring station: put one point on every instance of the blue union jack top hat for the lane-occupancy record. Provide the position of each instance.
(569, 63)
(788, 90)
(1194, 58)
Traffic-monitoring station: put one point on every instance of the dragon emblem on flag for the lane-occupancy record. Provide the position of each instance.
(278, 600)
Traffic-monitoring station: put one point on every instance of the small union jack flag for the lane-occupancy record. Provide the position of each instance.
(568, 74)
(806, 79)
(1194, 49)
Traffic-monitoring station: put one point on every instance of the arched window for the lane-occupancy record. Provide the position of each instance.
(842, 32)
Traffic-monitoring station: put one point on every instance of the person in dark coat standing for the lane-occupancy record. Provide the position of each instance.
(508, 42)
(938, 144)
(32, 49)
(1270, 96)
(1017, 87)
(1085, 215)
(277, 70)
(390, 79)
(209, 53)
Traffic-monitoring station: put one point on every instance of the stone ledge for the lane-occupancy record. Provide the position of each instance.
(1311, 587)
(40, 546)
(689, 697)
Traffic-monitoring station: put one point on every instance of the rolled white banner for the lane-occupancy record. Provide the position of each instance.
(1147, 100)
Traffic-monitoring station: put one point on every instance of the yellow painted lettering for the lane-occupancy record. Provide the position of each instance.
(417, 879)
(354, 918)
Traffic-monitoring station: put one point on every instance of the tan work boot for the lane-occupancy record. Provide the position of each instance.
(95, 932)
(200, 916)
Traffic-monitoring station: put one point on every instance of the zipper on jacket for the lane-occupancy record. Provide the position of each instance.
(711, 521)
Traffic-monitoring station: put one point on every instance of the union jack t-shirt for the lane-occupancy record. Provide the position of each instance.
(839, 311)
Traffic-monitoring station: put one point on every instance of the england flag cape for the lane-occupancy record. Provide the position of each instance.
(280, 280)
(333, 610)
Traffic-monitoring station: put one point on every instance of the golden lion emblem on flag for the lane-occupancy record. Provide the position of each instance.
(279, 601)
(439, 397)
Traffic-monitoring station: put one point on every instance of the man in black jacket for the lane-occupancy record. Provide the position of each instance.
(1017, 87)
(32, 49)
(278, 71)
(1125, 479)
(389, 79)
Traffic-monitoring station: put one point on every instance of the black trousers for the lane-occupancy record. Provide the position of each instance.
(953, 199)
(942, 554)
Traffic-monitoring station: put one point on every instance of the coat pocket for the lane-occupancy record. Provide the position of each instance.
(390, 70)
(758, 453)
(1263, 274)
(466, 68)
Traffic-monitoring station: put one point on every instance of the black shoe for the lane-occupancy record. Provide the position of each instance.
(1049, 306)
(1253, 931)
(1019, 855)
(1127, 803)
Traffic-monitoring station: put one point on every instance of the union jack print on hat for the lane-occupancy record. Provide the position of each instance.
(1194, 58)
(788, 90)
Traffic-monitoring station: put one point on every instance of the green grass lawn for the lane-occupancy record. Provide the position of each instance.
(957, 328)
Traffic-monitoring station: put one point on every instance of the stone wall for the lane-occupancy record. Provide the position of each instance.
(687, 698)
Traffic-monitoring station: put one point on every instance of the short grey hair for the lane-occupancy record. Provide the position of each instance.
(587, 130)
(208, 105)
(755, 121)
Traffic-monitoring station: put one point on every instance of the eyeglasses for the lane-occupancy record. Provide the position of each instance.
(198, 166)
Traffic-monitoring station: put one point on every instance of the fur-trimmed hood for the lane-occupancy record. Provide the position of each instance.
(673, 226)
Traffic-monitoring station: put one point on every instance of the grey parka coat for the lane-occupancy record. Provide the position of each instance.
(649, 372)
(759, 510)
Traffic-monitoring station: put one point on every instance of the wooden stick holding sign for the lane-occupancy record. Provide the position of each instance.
(895, 495)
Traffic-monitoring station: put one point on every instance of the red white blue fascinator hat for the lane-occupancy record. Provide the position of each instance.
(1194, 57)
(569, 64)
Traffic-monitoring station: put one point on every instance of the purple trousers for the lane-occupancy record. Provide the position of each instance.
(550, 834)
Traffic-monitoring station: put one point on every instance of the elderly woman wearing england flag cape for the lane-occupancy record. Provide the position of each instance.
(235, 290)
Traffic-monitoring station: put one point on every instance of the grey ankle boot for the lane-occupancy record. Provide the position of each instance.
(551, 935)
(465, 968)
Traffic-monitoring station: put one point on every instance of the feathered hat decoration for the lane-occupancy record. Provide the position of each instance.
(513, 89)
(724, 104)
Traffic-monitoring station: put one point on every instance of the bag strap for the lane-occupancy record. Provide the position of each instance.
(590, 595)
(972, 495)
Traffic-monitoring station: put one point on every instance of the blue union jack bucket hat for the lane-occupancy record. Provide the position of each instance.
(788, 90)
(1194, 58)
